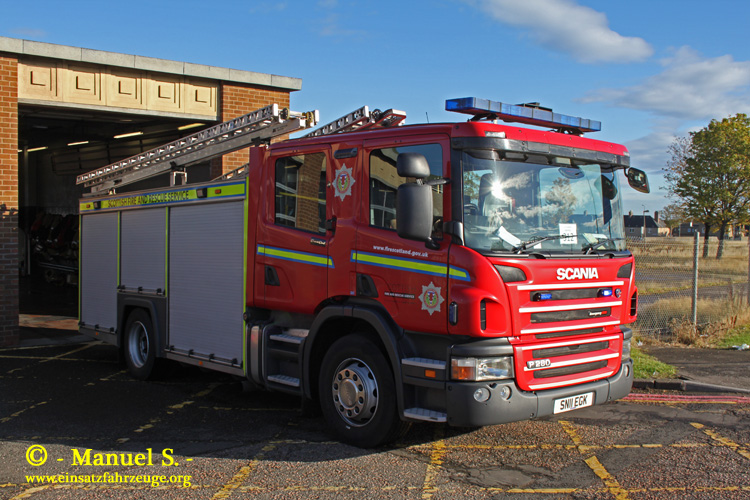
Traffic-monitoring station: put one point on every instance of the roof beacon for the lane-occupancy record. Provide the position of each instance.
(530, 114)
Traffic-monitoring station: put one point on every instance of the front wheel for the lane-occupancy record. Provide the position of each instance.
(140, 345)
(357, 393)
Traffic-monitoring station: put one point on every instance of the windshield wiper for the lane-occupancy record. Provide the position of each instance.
(538, 239)
(588, 248)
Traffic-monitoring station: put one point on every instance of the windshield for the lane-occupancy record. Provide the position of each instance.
(522, 207)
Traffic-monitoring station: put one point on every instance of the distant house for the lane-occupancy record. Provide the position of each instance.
(634, 226)
(690, 228)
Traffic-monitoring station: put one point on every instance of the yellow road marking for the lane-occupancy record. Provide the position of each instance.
(570, 430)
(613, 486)
(30, 491)
(429, 488)
(722, 440)
(53, 358)
(242, 474)
(14, 415)
(367, 489)
(609, 481)
(179, 406)
(227, 408)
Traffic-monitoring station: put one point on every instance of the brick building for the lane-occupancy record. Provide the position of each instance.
(67, 110)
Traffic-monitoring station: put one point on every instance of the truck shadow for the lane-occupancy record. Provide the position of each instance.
(79, 396)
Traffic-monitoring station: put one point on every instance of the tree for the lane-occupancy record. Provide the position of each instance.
(710, 174)
(672, 215)
(561, 201)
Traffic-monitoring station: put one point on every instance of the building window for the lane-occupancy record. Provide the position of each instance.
(301, 192)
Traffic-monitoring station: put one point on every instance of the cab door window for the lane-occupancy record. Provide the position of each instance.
(300, 197)
(384, 182)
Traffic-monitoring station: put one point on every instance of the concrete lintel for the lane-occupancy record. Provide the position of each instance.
(107, 58)
(211, 72)
(159, 65)
(11, 45)
(250, 77)
(143, 63)
(286, 82)
(114, 109)
(42, 49)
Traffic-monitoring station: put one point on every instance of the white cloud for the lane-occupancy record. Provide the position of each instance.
(331, 27)
(650, 153)
(565, 26)
(690, 87)
(267, 7)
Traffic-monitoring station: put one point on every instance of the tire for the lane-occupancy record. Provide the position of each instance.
(358, 394)
(139, 346)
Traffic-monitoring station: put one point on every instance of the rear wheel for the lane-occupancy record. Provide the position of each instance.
(140, 345)
(358, 394)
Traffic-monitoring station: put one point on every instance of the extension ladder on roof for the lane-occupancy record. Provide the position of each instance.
(253, 128)
(361, 119)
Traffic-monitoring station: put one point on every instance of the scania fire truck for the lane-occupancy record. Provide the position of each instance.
(471, 273)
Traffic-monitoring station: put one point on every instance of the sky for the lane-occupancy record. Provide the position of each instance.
(650, 71)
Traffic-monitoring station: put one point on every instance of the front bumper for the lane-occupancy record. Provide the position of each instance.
(464, 411)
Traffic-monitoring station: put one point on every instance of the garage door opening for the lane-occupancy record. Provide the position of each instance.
(56, 145)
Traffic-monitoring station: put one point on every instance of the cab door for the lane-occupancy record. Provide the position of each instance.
(345, 187)
(409, 279)
(292, 252)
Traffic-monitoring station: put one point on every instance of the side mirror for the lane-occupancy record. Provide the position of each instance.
(414, 211)
(638, 180)
(412, 165)
(609, 190)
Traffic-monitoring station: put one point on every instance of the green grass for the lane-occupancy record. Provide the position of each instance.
(645, 366)
(738, 336)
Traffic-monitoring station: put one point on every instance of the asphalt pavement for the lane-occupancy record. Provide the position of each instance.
(702, 370)
(74, 425)
(698, 370)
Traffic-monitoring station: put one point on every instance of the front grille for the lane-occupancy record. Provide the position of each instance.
(578, 314)
(569, 370)
(568, 333)
(573, 294)
(571, 349)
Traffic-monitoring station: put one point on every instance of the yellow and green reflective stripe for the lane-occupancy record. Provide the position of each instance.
(226, 190)
(172, 196)
(313, 259)
(458, 273)
(411, 265)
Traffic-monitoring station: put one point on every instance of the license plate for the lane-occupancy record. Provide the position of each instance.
(574, 402)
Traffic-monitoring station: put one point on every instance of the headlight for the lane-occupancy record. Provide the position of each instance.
(626, 349)
(473, 369)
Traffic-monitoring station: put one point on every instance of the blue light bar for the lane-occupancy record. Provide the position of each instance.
(530, 115)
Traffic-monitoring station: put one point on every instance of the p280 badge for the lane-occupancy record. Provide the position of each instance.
(535, 364)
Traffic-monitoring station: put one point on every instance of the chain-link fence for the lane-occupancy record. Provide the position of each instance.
(667, 285)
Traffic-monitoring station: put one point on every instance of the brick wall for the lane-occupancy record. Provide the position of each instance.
(236, 101)
(8, 201)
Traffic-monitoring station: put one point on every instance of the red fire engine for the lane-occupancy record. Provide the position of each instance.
(471, 273)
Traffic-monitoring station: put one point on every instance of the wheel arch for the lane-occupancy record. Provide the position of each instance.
(156, 309)
(337, 321)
